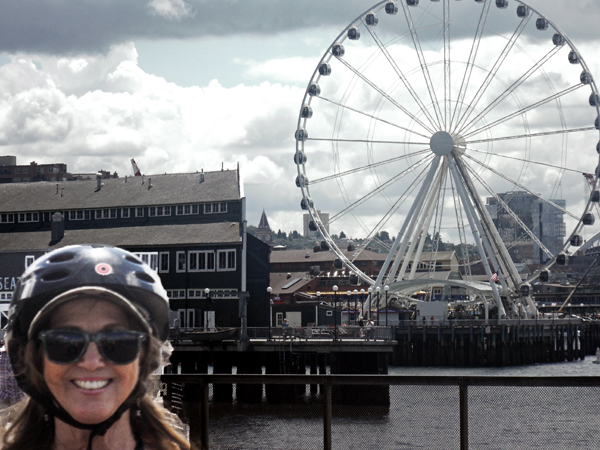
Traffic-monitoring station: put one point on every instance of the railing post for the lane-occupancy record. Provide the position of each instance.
(204, 416)
(464, 415)
(326, 416)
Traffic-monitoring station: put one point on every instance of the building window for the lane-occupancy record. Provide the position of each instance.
(29, 217)
(16, 179)
(214, 293)
(26, 179)
(139, 212)
(106, 213)
(215, 208)
(201, 261)
(17, 170)
(7, 218)
(157, 211)
(29, 259)
(164, 262)
(53, 170)
(181, 262)
(150, 258)
(40, 170)
(279, 319)
(125, 213)
(25, 170)
(80, 215)
(176, 293)
(226, 260)
(184, 210)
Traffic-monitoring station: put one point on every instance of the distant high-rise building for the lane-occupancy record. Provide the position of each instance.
(10, 172)
(315, 233)
(264, 232)
(545, 221)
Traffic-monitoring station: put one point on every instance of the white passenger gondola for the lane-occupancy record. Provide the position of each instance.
(353, 34)
(573, 57)
(306, 112)
(314, 89)
(522, 11)
(391, 8)
(541, 24)
(371, 19)
(325, 69)
(576, 240)
(558, 39)
(301, 134)
(588, 219)
(300, 158)
(338, 50)
(502, 4)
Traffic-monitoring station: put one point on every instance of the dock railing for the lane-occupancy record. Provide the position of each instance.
(432, 412)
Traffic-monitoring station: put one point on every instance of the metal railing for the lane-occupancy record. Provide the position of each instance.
(434, 412)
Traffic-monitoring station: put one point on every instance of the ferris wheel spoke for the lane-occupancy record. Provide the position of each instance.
(423, 62)
(368, 141)
(379, 119)
(447, 68)
(510, 212)
(492, 73)
(471, 62)
(380, 188)
(400, 75)
(384, 94)
(367, 167)
(531, 135)
(515, 85)
(523, 110)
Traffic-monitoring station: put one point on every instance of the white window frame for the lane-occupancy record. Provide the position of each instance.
(187, 210)
(215, 208)
(181, 265)
(29, 259)
(278, 319)
(150, 258)
(139, 211)
(80, 214)
(176, 293)
(227, 267)
(125, 213)
(194, 258)
(29, 217)
(5, 296)
(163, 257)
(159, 211)
(106, 213)
(7, 218)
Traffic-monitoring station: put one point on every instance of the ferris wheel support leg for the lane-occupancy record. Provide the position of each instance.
(417, 237)
(415, 206)
(475, 227)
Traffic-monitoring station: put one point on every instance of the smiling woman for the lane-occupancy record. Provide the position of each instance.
(86, 329)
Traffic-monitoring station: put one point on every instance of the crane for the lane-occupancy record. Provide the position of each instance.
(136, 169)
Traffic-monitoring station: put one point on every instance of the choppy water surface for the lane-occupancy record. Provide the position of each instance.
(427, 417)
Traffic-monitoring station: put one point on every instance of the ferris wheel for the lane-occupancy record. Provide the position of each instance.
(470, 122)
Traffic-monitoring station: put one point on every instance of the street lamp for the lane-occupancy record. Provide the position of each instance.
(269, 290)
(386, 288)
(355, 303)
(370, 291)
(348, 294)
(207, 294)
(377, 289)
(362, 301)
(335, 289)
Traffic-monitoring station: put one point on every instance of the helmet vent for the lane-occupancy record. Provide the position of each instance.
(133, 259)
(61, 257)
(144, 277)
(55, 275)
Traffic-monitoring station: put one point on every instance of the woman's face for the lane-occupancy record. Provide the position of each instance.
(91, 389)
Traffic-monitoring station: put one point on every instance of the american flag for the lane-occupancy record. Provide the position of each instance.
(495, 278)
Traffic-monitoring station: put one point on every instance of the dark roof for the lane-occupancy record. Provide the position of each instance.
(167, 189)
(284, 256)
(279, 280)
(164, 235)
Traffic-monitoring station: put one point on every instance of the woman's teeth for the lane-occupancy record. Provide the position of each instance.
(90, 385)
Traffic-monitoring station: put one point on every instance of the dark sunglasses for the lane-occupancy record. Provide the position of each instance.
(68, 346)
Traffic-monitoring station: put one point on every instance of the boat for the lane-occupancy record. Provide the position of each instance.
(211, 334)
(597, 361)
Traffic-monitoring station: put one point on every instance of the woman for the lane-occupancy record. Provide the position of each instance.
(86, 328)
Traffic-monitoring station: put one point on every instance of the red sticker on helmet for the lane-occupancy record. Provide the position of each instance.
(104, 269)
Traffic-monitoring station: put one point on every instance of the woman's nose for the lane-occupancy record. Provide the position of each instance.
(92, 359)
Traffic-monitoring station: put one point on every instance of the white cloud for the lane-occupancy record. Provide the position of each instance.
(171, 9)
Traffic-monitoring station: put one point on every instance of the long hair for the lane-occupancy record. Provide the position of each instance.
(27, 425)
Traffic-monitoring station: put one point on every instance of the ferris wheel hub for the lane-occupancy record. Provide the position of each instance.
(441, 143)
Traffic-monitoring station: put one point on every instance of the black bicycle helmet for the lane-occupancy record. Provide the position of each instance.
(66, 272)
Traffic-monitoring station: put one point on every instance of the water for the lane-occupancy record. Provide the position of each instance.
(427, 417)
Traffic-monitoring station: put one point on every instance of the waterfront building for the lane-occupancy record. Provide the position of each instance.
(190, 227)
(545, 221)
(10, 172)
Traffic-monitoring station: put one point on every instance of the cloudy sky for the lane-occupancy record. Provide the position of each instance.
(183, 85)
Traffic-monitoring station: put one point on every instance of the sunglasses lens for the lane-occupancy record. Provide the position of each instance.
(120, 347)
(64, 347)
